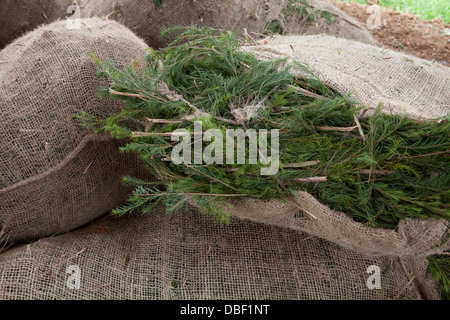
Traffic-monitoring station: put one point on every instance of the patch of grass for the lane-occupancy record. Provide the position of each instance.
(331, 18)
(274, 27)
(299, 10)
(425, 9)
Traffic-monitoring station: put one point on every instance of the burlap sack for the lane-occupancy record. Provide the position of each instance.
(20, 16)
(406, 85)
(54, 174)
(71, 177)
(147, 19)
(190, 256)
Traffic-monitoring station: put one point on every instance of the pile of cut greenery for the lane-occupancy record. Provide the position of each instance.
(378, 170)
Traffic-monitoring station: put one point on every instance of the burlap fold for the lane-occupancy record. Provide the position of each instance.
(412, 238)
(404, 84)
(54, 174)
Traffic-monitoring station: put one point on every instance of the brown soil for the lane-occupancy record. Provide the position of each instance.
(405, 32)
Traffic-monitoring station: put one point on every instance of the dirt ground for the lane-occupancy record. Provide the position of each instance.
(404, 32)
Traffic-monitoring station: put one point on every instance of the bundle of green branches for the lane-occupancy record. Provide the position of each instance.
(378, 170)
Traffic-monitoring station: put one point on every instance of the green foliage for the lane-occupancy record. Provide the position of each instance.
(298, 11)
(439, 267)
(273, 27)
(399, 168)
(425, 9)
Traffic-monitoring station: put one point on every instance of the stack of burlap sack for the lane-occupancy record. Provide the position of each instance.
(58, 180)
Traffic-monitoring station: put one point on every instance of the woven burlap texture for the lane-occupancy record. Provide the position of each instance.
(403, 83)
(190, 256)
(412, 238)
(54, 174)
(147, 19)
(20, 16)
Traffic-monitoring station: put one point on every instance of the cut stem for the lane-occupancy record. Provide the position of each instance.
(309, 93)
(361, 132)
(341, 129)
(166, 134)
(126, 94)
(163, 121)
(312, 179)
(300, 165)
